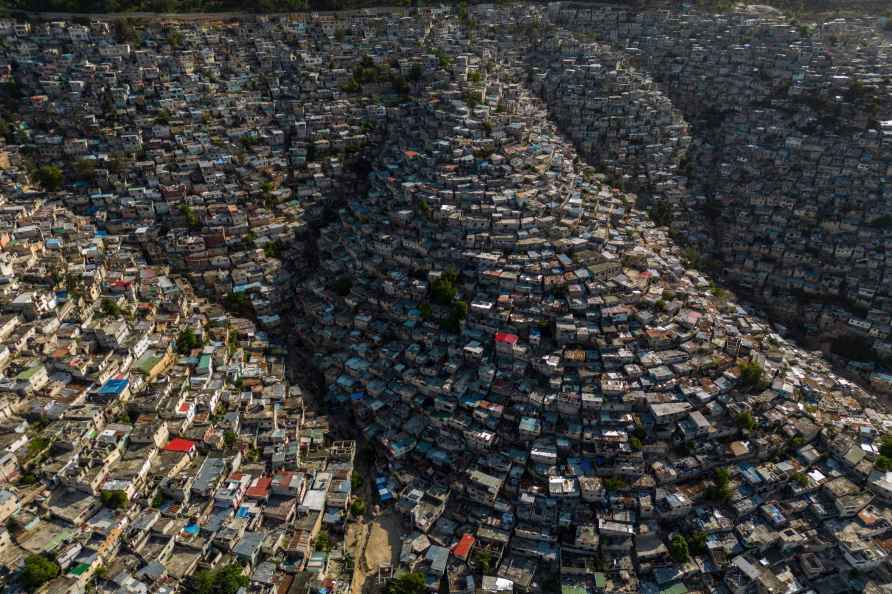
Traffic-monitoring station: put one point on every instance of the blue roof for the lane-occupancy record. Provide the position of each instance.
(245, 287)
(114, 387)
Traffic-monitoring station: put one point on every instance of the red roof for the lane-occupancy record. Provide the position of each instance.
(506, 338)
(260, 488)
(178, 444)
(463, 548)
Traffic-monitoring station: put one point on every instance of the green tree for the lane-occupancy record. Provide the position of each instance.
(442, 291)
(678, 548)
(36, 449)
(424, 208)
(238, 302)
(50, 177)
(187, 341)
(746, 421)
(175, 39)
(29, 478)
(751, 374)
(125, 30)
(114, 499)
(459, 309)
(614, 484)
(158, 500)
(117, 163)
(357, 507)
(111, 308)
(483, 560)
(229, 438)
(635, 443)
(886, 446)
(408, 583)
(222, 580)
(323, 542)
(356, 481)
(37, 571)
(13, 525)
(471, 98)
(426, 311)
(697, 543)
(399, 84)
(191, 218)
(800, 479)
(720, 490)
(273, 249)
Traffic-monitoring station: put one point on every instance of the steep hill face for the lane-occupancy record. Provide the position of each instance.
(490, 293)
(615, 115)
(786, 173)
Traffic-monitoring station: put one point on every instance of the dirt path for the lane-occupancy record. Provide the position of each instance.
(354, 542)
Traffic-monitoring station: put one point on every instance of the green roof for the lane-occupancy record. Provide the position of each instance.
(573, 589)
(147, 362)
(678, 588)
(600, 580)
(79, 569)
(29, 373)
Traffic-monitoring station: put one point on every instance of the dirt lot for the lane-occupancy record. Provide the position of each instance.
(374, 545)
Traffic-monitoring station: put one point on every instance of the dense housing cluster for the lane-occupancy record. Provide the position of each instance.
(360, 303)
(786, 174)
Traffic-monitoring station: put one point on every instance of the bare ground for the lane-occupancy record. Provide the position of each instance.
(376, 545)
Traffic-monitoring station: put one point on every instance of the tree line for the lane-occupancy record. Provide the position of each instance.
(187, 6)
